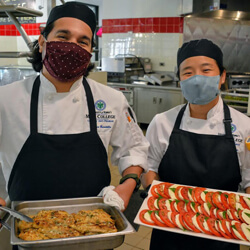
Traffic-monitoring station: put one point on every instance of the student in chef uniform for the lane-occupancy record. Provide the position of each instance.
(55, 128)
(201, 143)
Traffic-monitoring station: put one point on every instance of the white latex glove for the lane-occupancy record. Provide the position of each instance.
(112, 198)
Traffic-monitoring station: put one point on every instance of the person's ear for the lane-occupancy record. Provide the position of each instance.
(41, 42)
(222, 78)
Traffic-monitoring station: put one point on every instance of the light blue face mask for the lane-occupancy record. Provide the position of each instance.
(200, 89)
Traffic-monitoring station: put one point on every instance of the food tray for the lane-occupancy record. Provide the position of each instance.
(99, 241)
(176, 230)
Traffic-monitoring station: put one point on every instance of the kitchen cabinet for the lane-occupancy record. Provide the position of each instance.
(149, 102)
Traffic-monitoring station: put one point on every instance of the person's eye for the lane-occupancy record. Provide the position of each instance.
(84, 43)
(207, 70)
(187, 73)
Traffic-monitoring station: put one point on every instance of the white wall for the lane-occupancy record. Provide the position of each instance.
(141, 8)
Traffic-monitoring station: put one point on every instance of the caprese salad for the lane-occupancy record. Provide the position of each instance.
(197, 209)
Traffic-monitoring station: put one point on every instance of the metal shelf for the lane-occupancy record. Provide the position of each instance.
(18, 11)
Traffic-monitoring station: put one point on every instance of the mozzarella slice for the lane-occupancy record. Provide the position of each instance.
(192, 205)
(206, 226)
(246, 215)
(203, 195)
(246, 230)
(156, 204)
(235, 231)
(175, 206)
(220, 226)
(171, 191)
(180, 195)
(177, 221)
(229, 214)
(148, 217)
(167, 203)
(190, 196)
(194, 220)
(206, 207)
(247, 200)
(237, 198)
(239, 206)
(159, 218)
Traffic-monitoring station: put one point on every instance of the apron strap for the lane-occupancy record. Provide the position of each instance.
(227, 119)
(91, 105)
(34, 106)
(179, 117)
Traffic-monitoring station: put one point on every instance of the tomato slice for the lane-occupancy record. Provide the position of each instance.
(183, 223)
(211, 225)
(184, 192)
(237, 226)
(243, 203)
(216, 201)
(192, 205)
(187, 217)
(224, 225)
(156, 220)
(232, 200)
(240, 215)
(162, 203)
(197, 194)
(142, 217)
(173, 218)
(220, 228)
(160, 189)
(154, 191)
(233, 213)
(177, 190)
(200, 218)
(167, 186)
(181, 206)
(223, 197)
(164, 216)
(172, 206)
(203, 210)
(221, 214)
(151, 203)
(208, 197)
(212, 211)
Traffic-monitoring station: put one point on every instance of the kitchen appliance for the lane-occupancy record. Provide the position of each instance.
(124, 68)
(236, 80)
(93, 242)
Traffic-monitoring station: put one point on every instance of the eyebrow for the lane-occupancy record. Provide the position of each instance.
(68, 33)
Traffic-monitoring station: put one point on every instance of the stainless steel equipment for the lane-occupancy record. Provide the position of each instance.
(99, 241)
(125, 68)
(238, 81)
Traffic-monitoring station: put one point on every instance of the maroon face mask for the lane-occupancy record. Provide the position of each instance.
(66, 61)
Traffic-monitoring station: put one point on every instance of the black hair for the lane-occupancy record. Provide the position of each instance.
(36, 57)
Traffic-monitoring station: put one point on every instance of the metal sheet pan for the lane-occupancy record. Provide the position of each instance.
(100, 241)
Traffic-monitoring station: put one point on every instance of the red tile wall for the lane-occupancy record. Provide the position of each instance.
(31, 29)
(143, 25)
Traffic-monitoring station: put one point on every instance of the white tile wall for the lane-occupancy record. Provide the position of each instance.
(159, 47)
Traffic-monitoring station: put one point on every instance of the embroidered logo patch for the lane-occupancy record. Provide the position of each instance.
(233, 127)
(100, 105)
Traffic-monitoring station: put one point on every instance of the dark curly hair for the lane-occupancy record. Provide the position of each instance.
(36, 57)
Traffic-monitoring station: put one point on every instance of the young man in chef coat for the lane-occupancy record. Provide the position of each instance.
(201, 143)
(55, 128)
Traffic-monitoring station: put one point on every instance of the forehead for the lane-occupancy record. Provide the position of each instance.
(73, 25)
(198, 61)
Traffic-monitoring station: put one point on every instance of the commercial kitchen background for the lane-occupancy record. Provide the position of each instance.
(146, 29)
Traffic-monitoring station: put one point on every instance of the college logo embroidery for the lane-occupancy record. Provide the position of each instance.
(233, 127)
(100, 105)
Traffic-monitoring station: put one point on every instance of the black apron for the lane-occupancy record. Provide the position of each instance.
(199, 160)
(59, 166)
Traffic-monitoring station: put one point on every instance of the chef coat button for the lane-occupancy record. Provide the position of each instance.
(213, 124)
(75, 99)
(50, 97)
(189, 121)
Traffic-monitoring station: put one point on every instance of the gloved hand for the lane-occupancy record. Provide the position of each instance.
(112, 198)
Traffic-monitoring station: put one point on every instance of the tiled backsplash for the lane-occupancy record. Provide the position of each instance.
(11, 30)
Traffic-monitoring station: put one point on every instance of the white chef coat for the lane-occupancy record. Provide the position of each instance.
(160, 129)
(67, 113)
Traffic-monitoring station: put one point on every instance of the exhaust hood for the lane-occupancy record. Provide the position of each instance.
(218, 9)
